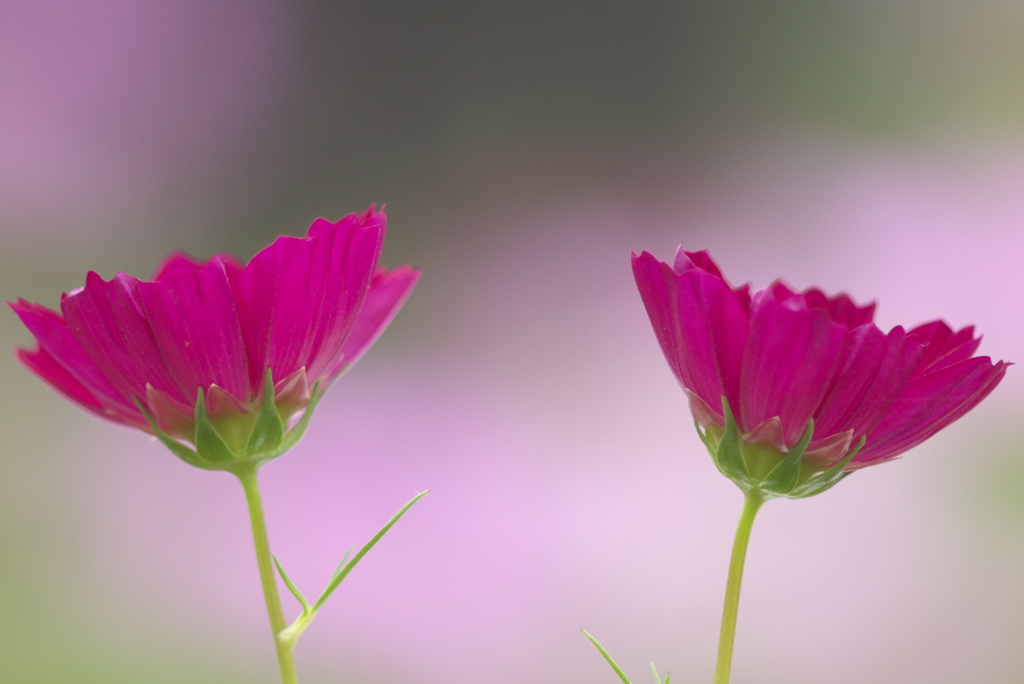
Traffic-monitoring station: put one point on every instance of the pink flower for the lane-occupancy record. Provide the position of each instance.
(203, 343)
(804, 374)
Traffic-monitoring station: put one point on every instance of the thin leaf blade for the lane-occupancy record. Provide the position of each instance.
(343, 572)
(607, 656)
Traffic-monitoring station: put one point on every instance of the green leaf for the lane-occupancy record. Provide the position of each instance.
(607, 656)
(209, 444)
(291, 587)
(784, 477)
(345, 569)
(341, 565)
(730, 458)
(268, 432)
(657, 678)
(177, 448)
(295, 434)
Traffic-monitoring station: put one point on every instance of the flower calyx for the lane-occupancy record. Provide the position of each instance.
(761, 469)
(237, 440)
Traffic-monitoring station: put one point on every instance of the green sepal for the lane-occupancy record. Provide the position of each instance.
(729, 458)
(823, 487)
(791, 476)
(183, 452)
(268, 431)
(608, 658)
(829, 478)
(209, 444)
(267, 438)
(705, 438)
(296, 433)
(784, 477)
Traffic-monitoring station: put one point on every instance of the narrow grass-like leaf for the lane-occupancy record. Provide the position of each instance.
(343, 572)
(291, 586)
(657, 677)
(607, 656)
(341, 565)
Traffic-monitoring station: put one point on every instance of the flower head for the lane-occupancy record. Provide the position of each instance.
(792, 390)
(195, 353)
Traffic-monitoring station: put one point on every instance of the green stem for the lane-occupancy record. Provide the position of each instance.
(247, 476)
(751, 505)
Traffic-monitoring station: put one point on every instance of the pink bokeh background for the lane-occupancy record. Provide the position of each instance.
(521, 384)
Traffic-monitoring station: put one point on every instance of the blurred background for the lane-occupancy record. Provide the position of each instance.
(522, 149)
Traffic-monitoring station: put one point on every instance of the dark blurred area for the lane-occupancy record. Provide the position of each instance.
(251, 114)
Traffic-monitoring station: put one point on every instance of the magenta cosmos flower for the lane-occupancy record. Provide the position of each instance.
(193, 354)
(792, 390)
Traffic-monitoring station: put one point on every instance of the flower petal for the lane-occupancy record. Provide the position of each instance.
(183, 262)
(220, 402)
(791, 356)
(63, 363)
(388, 292)
(830, 450)
(874, 369)
(109, 321)
(46, 367)
(293, 392)
(195, 325)
(929, 403)
(701, 324)
(174, 417)
(944, 347)
(841, 308)
(687, 261)
(298, 298)
(703, 413)
(769, 434)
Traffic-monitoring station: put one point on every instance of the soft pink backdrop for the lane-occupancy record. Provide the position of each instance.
(522, 383)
